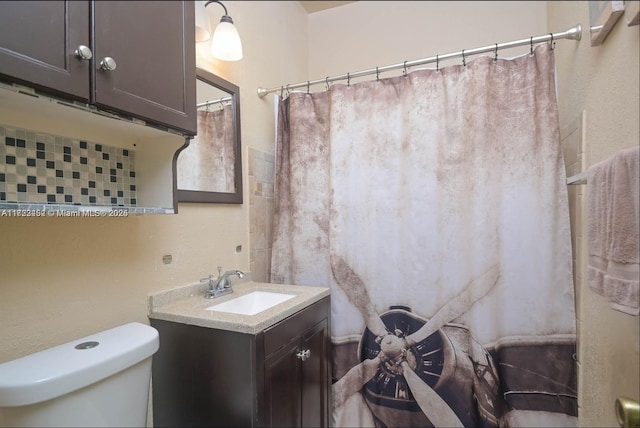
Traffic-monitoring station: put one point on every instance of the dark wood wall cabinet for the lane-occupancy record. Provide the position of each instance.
(134, 58)
(279, 377)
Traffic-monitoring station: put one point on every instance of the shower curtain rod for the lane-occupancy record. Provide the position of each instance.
(208, 103)
(573, 33)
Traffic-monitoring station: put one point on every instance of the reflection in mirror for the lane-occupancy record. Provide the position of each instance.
(207, 164)
(209, 168)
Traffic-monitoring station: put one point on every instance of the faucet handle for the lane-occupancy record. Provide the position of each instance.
(207, 280)
(219, 271)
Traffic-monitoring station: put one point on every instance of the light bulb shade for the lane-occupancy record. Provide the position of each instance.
(225, 43)
(203, 28)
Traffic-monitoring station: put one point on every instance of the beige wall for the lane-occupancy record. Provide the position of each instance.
(63, 278)
(602, 83)
(391, 32)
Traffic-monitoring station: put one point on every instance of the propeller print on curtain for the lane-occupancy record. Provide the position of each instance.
(434, 206)
(400, 354)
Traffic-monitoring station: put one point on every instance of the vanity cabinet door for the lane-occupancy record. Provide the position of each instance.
(152, 46)
(38, 40)
(283, 388)
(297, 377)
(315, 377)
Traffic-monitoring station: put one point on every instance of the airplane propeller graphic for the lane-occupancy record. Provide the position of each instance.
(393, 349)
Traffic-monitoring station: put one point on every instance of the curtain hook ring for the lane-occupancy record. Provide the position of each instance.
(437, 64)
(495, 56)
(281, 91)
(377, 75)
(348, 80)
(221, 103)
(308, 84)
(553, 44)
(531, 42)
(326, 81)
(404, 71)
(464, 61)
(288, 91)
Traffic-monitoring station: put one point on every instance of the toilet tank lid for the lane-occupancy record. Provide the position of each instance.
(65, 368)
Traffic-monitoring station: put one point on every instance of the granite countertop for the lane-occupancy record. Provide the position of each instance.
(187, 305)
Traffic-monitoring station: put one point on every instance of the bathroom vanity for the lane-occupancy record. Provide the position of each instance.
(222, 369)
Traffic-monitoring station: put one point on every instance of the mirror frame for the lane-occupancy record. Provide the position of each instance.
(207, 196)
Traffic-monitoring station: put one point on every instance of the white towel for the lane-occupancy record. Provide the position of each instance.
(613, 221)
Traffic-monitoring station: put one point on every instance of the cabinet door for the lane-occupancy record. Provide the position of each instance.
(38, 40)
(297, 377)
(315, 376)
(297, 381)
(282, 388)
(152, 44)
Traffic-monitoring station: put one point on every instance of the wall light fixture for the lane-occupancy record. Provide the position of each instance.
(225, 43)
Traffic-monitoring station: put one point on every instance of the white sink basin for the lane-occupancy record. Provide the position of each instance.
(252, 303)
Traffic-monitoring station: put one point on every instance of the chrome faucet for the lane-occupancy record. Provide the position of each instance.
(221, 285)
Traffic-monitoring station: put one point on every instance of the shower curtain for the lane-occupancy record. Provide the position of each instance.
(434, 205)
(207, 163)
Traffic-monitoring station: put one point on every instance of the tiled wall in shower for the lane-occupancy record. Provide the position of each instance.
(261, 208)
(50, 169)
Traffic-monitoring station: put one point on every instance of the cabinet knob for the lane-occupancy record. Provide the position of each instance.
(83, 52)
(304, 354)
(108, 64)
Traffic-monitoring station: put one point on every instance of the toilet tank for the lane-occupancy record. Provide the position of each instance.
(98, 380)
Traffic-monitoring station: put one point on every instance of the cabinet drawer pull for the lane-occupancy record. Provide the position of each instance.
(108, 64)
(83, 52)
(303, 355)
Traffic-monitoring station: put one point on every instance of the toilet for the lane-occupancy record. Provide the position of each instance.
(101, 380)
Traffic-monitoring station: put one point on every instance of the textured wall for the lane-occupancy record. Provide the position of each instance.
(602, 82)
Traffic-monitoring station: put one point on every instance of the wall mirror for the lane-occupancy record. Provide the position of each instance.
(209, 168)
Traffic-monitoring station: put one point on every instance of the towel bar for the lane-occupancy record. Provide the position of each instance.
(578, 178)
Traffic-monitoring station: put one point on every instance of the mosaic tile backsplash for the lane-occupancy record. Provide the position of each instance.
(49, 169)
